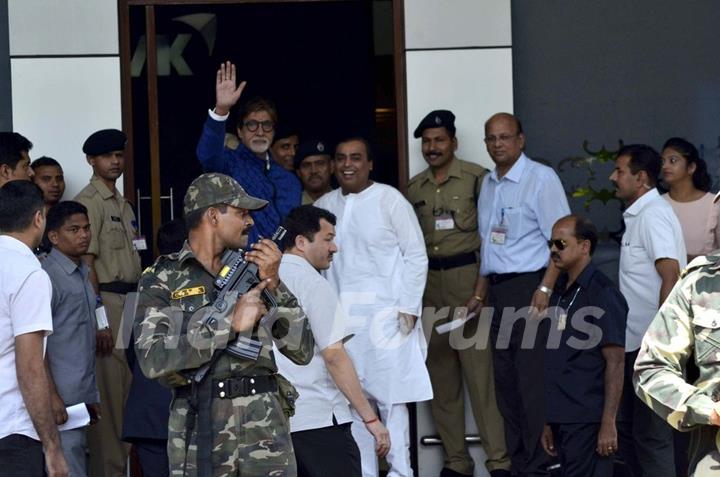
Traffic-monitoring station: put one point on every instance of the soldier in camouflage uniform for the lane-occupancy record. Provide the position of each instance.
(176, 335)
(687, 327)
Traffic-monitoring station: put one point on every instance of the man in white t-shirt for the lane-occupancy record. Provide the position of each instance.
(321, 433)
(27, 424)
(651, 256)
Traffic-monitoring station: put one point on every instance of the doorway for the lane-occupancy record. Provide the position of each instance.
(334, 68)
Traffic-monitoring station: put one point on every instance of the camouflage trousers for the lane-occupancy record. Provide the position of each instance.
(704, 452)
(251, 438)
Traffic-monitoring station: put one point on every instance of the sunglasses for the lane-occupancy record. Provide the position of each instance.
(253, 125)
(560, 244)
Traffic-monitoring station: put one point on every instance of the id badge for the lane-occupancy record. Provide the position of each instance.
(444, 222)
(139, 243)
(101, 318)
(498, 234)
(562, 321)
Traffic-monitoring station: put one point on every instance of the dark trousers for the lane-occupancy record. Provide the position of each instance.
(21, 456)
(576, 444)
(645, 440)
(153, 457)
(519, 370)
(326, 452)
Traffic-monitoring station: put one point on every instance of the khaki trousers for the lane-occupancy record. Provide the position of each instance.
(463, 355)
(108, 454)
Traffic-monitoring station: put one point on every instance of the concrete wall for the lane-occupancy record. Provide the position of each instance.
(459, 57)
(639, 71)
(65, 77)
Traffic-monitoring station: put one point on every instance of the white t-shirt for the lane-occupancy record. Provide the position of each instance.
(320, 398)
(25, 295)
(652, 232)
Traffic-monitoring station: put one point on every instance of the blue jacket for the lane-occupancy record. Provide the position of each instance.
(147, 408)
(279, 187)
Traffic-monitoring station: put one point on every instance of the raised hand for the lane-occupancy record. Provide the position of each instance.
(249, 309)
(266, 255)
(226, 92)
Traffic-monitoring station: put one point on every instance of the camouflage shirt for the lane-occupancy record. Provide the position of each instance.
(687, 326)
(173, 334)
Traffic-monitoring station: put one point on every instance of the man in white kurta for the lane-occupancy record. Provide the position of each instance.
(380, 276)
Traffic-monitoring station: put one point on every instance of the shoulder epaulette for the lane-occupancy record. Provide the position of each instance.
(711, 261)
(473, 168)
(416, 177)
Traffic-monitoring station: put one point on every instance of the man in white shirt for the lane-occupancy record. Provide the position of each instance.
(518, 204)
(14, 158)
(323, 442)
(380, 277)
(27, 425)
(652, 254)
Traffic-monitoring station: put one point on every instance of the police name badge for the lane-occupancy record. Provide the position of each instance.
(444, 222)
(139, 243)
(498, 234)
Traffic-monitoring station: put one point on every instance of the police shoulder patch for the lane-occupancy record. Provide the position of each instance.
(186, 292)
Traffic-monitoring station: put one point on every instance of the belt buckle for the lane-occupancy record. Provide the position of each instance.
(230, 388)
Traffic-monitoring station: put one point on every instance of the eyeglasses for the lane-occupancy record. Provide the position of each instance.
(253, 125)
(504, 138)
(560, 244)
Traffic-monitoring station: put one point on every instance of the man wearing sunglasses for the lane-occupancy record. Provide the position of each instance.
(652, 253)
(519, 203)
(584, 367)
(251, 163)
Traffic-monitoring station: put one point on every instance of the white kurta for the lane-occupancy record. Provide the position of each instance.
(380, 269)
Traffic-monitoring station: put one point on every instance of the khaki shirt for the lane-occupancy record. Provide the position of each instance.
(455, 198)
(306, 199)
(113, 226)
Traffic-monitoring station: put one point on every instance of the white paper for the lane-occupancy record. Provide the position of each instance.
(78, 416)
(101, 318)
(453, 325)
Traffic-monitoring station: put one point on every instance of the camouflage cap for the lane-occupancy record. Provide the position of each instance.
(214, 188)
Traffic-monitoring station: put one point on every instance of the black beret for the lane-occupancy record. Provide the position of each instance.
(316, 147)
(104, 141)
(441, 118)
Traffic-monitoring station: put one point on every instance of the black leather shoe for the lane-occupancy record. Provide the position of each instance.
(451, 473)
(500, 473)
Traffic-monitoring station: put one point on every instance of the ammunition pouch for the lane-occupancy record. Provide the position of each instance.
(288, 395)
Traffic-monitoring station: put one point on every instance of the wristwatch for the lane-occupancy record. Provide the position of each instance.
(545, 289)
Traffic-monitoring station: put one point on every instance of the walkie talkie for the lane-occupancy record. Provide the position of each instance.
(236, 277)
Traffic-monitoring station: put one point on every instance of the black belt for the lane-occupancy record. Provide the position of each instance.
(235, 386)
(495, 278)
(444, 263)
(122, 288)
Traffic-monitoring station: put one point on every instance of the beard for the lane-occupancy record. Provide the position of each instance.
(259, 145)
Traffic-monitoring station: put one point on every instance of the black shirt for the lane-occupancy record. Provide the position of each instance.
(593, 313)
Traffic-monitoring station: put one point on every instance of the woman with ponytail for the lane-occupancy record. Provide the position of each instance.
(686, 176)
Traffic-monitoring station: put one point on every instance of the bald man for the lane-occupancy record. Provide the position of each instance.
(518, 204)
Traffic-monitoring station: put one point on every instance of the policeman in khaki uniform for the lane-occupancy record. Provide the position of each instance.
(238, 426)
(314, 167)
(687, 326)
(445, 200)
(114, 271)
